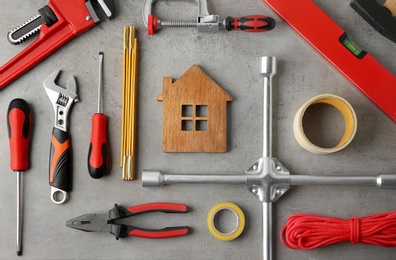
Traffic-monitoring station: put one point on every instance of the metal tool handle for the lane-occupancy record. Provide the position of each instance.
(49, 40)
(157, 178)
(268, 69)
(60, 163)
(251, 23)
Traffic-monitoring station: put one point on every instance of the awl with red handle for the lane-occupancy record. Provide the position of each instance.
(106, 222)
(98, 150)
(19, 123)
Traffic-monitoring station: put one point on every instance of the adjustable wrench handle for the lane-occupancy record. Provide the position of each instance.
(60, 161)
(72, 20)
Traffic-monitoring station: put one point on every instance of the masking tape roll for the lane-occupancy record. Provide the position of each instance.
(239, 216)
(341, 105)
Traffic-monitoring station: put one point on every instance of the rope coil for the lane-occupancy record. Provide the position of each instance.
(307, 232)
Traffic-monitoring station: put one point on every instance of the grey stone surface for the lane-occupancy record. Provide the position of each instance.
(231, 59)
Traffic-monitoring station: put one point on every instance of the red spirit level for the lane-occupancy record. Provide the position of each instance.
(331, 41)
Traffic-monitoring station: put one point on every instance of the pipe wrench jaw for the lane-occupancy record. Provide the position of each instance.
(107, 6)
(61, 98)
(48, 18)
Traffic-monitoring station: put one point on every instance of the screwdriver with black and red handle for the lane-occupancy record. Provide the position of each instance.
(19, 123)
(98, 150)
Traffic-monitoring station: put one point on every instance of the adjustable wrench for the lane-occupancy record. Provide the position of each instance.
(61, 21)
(62, 100)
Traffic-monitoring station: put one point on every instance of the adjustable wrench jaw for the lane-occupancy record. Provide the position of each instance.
(61, 98)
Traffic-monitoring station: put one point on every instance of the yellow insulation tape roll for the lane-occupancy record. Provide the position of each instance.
(341, 105)
(239, 216)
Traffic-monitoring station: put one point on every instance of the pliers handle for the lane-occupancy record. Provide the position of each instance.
(119, 230)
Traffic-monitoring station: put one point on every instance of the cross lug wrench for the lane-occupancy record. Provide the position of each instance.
(62, 100)
(58, 22)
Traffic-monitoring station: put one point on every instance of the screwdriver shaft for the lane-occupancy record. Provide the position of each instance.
(100, 82)
(19, 212)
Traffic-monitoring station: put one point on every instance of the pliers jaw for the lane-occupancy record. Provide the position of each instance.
(90, 222)
(98, 222)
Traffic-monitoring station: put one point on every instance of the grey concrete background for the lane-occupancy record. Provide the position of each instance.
(231, 59)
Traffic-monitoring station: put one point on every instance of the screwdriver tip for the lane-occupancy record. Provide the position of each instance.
(19, 253)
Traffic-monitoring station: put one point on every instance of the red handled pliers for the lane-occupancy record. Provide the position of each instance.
(105, 222)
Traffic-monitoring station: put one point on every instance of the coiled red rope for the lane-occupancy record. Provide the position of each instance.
(307, 232)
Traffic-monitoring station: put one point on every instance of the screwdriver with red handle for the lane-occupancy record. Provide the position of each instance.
(19, 123)
(98, 150)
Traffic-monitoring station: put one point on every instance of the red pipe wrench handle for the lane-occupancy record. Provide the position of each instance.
(72, 20)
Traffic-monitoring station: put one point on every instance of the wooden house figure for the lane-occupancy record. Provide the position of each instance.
(194, 114)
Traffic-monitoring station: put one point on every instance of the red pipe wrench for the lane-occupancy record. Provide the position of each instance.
(361, 69)
(70, 19)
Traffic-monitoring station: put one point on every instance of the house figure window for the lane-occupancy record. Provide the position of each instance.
(194, 118)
